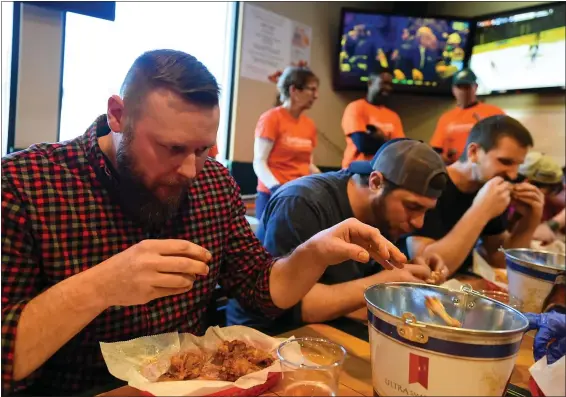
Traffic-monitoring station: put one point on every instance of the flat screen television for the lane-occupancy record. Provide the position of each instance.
(423, 52)
(523, 50)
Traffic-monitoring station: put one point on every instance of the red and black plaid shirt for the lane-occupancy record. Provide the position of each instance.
(58, 219)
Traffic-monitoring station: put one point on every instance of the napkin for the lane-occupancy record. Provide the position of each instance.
(551, 379)
(141, 361)
(484, 270)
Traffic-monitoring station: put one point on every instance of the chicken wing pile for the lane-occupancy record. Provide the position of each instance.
(184, 366)
(435, 307)
(232, 360)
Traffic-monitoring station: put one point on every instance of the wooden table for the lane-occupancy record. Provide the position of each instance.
(356, 375)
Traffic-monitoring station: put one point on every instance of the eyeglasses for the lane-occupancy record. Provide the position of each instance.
(311, 89)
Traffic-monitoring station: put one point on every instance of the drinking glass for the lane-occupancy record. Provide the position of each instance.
(310, 367)
(505, 298)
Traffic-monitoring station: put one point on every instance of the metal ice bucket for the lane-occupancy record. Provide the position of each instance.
(531, 275)
(413, 353)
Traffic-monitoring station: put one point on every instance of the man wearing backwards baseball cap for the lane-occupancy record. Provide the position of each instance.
(392, 193)
(479, 191)
(454, 126)
(542, 171)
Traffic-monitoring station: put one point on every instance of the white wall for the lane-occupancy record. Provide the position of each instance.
(39, 76)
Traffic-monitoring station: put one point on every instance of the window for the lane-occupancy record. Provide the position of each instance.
(99, 53)
(7, 34)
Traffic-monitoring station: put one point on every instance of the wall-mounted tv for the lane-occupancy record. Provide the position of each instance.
(523, 50)
(423, 52)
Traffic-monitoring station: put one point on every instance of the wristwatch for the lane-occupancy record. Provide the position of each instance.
(553, 225)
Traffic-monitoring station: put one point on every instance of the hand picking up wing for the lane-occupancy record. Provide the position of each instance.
(435, 307)
(434, 278)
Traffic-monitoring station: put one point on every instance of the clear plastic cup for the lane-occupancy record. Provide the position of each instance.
(310, 367)
(504, 297)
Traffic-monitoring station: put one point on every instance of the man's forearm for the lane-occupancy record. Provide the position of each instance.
(456, 245)
(560, 218)
(327, 302)
(520, 237)
(293, 276)
(52, 318)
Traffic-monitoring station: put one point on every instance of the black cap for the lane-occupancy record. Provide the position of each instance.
(465, 77)
(407, 163)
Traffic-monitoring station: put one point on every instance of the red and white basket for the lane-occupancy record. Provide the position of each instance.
(534, 389)
(272, 380)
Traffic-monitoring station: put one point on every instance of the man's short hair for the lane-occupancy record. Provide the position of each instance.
(173, 70)
(487, 133)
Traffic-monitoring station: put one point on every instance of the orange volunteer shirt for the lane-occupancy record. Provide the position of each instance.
(357, 116)
(293, 143)
(455, 125)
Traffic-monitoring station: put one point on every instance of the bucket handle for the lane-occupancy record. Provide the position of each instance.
(411, 329)
(467, 288)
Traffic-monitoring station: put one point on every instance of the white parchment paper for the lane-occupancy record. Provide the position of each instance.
(141, 361)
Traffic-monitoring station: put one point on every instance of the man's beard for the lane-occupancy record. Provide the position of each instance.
(138, 200)
(379, 209)
(377, 99)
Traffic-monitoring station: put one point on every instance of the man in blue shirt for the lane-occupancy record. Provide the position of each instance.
(392, 193)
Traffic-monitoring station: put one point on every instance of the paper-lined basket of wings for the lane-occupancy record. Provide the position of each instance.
(231, 361)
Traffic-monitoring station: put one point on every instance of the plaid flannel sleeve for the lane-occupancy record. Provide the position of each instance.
(20, 275)
(246, 264)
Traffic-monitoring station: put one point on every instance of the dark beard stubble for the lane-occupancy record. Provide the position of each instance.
(139, 201)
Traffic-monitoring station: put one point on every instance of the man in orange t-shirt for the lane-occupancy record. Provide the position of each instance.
(454, 126)
(368, 123)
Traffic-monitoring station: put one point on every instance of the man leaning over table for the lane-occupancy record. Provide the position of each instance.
(126, 230)
(392, 192)
(479, 191)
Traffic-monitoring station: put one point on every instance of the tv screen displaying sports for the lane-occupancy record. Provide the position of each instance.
(422, 53)
(523, 50)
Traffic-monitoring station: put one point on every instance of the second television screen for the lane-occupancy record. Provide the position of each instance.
(423, 53)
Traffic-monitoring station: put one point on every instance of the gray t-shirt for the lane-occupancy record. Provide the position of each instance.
(296, 212)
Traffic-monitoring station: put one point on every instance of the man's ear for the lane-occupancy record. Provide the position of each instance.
(115, 113)
(375, 180)
(473, 150)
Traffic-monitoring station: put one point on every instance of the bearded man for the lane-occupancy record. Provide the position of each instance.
(392, 192)
(126, 230)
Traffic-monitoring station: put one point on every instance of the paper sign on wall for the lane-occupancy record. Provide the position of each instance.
(271, 42)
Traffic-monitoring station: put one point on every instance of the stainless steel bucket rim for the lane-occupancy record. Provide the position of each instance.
(541, 267)
(460, 331)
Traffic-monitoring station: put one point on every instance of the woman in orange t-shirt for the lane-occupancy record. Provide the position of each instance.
(284, 137)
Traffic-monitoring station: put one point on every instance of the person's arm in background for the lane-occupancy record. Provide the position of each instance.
(262, 150)
(312, 167)
(266, 133)
(398, 131)
(354, 121)
(560, 218)
(439, 136)
(546, 231)
(292, 221)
